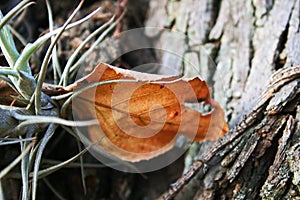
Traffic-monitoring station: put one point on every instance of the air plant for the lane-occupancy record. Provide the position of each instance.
(41, 115)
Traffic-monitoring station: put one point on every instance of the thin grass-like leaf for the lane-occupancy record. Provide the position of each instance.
(16, 161)
(27, 52)
(25, 166)
(82, 172)
(75, 67)
(64, 164)
(45, 172)
(63, 96)
(55, 192)
(14, 11)
(74, 55)
(48, 135)
(46, 60)
(73, 164)
(9, 141)
(33, 154)
(24, 173)
(33, 119)
(55, 61)
(17, 35)
(71, 132)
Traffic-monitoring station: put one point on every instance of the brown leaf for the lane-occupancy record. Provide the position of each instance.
(142, 119)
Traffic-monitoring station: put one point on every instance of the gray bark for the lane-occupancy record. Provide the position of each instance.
(255, 46)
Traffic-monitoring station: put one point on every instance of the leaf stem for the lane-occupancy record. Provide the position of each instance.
(79, 91)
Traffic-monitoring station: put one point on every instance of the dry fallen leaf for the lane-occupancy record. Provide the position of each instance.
(143, 118)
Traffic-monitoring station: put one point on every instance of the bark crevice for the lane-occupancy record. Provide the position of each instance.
(255, 150)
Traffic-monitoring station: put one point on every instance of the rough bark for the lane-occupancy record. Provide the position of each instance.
(255, 45)
(258, 158)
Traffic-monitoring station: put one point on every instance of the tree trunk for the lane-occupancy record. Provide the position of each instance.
(255, 45)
